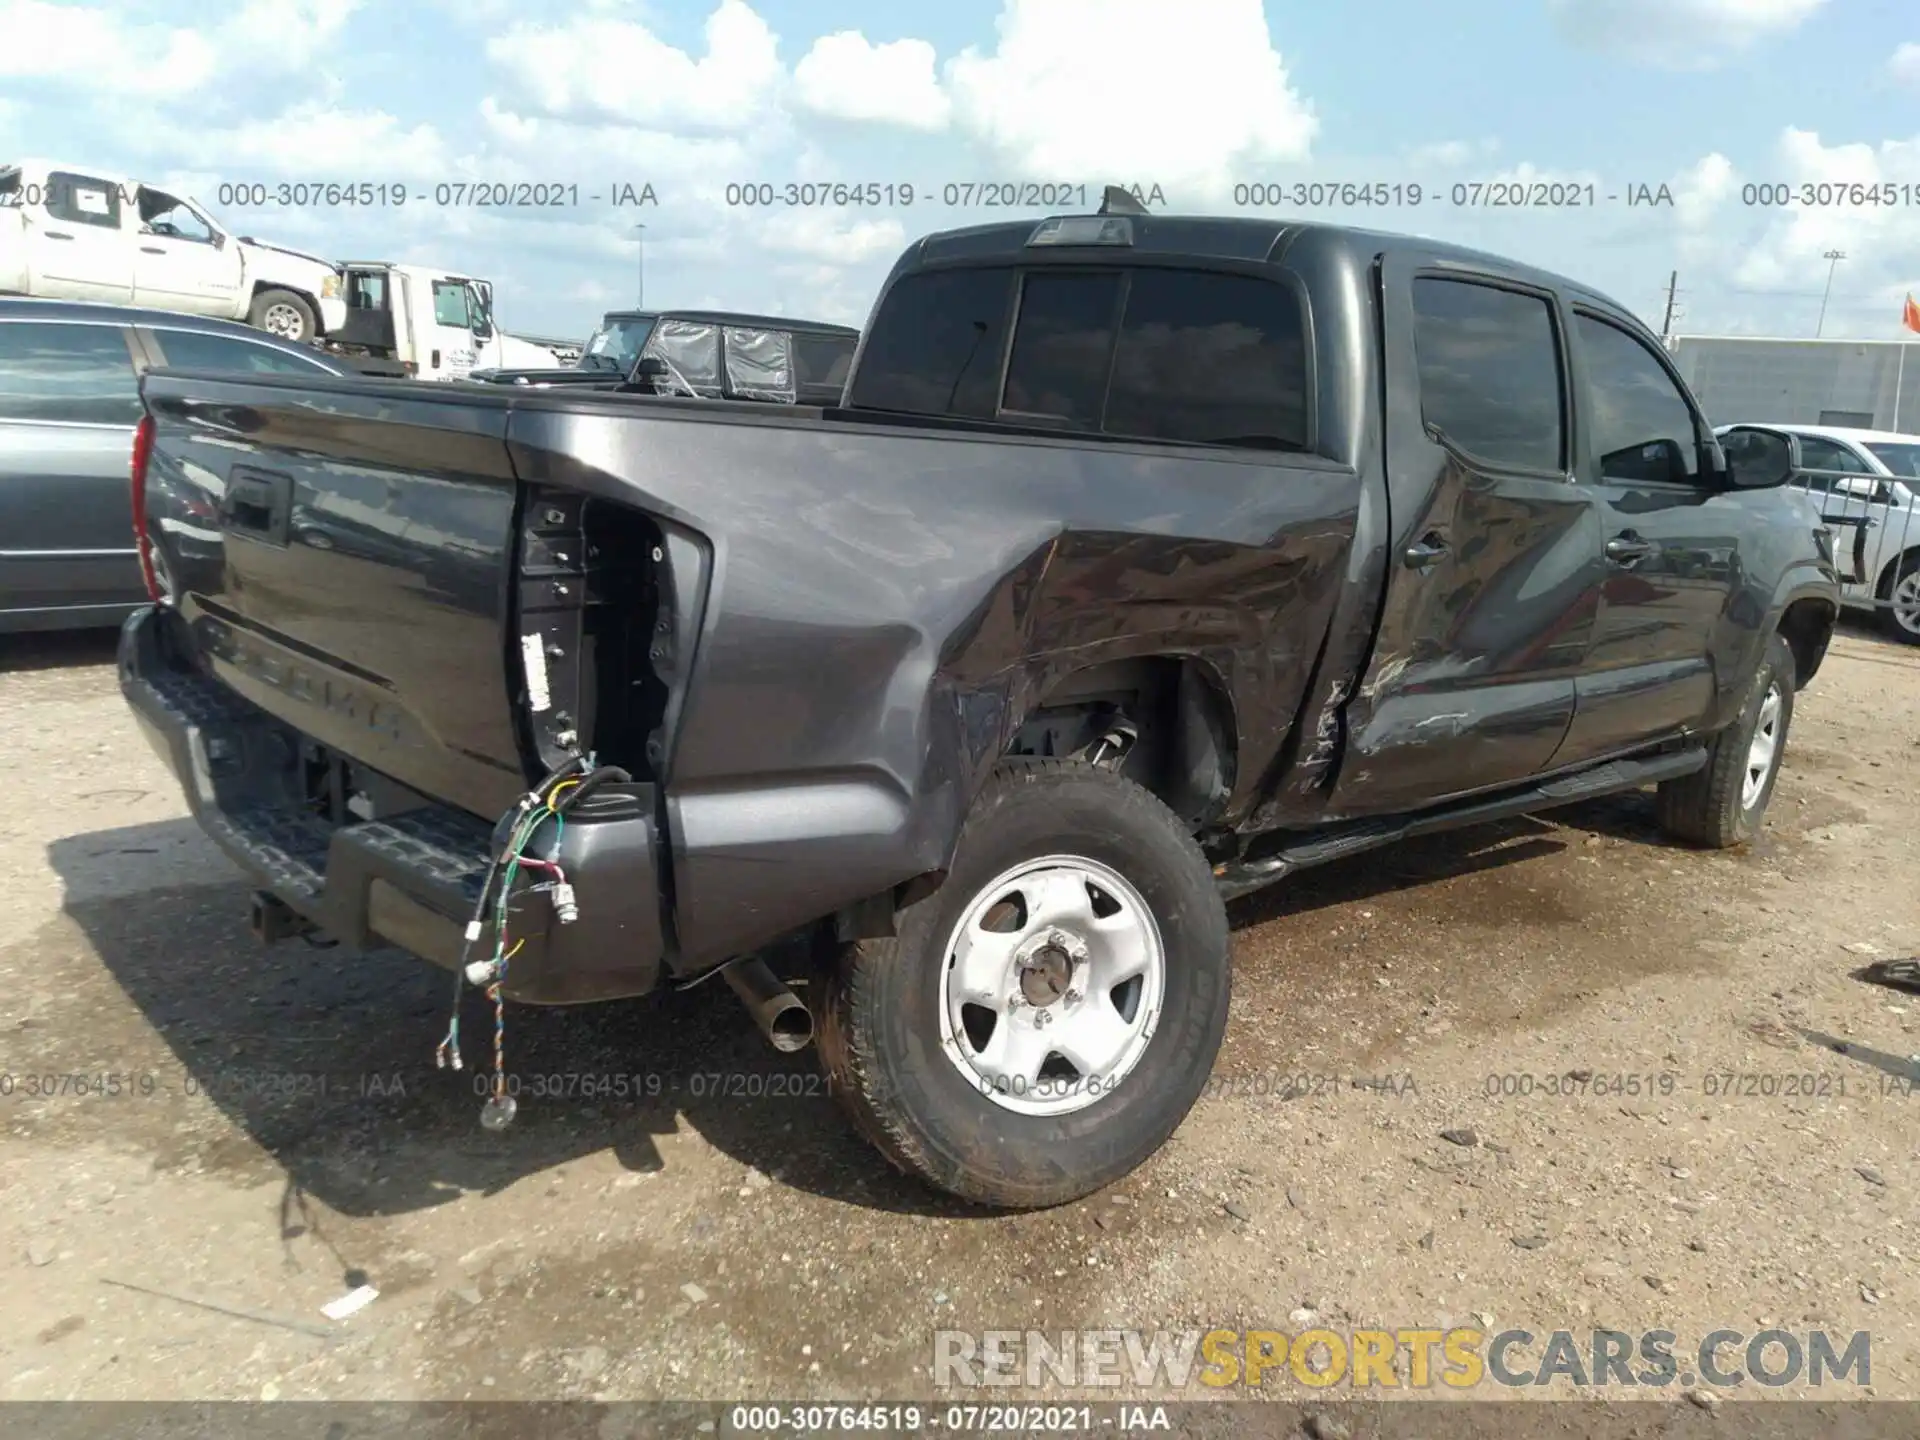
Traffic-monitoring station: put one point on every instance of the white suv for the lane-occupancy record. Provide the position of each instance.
(1867, 483)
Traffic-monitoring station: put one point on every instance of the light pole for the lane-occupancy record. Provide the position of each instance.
(640, 234)
(1833, 258)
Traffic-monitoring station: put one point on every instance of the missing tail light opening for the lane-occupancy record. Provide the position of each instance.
(590, 632)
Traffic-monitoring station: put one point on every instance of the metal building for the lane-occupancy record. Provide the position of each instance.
(1865, 384)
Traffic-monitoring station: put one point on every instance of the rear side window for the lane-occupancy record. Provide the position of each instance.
(1212, 360)
(822, 360)
(1643, 428)
(194, 350)
(1490, 373)
(80, 374)
(83, 200)
(938, 345)
(1818, 454)
(1062, 348)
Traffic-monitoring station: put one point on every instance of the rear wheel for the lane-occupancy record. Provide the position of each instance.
(282, 313)
(1901, 618)
(1724, 803)
(1041, 1023)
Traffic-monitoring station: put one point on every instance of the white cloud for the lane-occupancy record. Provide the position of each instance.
(519, 146)
(834, 236)
(599, 68)
(1699, 191)
(847, 77)
(1678, 34)
(1747, 250)
(1904, 65)
(1132, 92)
(117, 56)
(315, 138)
(1451, 153)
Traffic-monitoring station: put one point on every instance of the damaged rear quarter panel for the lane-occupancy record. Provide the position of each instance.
(886, 603)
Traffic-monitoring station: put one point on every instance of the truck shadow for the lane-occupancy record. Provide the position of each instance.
(58, 649)
(1452, 855)
(323, 1059)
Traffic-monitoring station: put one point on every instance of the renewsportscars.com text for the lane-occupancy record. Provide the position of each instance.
(1413, 1358)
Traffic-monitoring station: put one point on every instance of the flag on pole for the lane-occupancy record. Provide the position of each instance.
(1910, 317)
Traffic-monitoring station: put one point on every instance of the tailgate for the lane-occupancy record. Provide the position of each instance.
(343, 553)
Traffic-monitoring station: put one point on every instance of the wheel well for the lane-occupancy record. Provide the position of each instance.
(1807, 627)
(1884, 587)
(1162, 721)
(261, 287)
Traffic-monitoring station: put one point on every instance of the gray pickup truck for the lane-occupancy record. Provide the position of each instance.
(1147, 560)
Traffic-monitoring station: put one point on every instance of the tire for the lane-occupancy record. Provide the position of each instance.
(1901, 618)
(1715, 806)
(899, 1060)
(284, 314)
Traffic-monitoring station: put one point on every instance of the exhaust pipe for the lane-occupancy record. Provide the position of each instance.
(787, 1024)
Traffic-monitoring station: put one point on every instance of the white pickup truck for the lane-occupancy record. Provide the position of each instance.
(70, 233)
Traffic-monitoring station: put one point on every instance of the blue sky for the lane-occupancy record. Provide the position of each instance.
(1706, 97)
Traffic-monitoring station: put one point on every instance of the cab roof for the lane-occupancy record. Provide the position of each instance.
(1224, 237)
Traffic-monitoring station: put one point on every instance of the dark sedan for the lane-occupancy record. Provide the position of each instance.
(69, 401)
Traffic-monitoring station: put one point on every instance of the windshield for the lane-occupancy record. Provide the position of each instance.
(1902, 460)
(616, 345)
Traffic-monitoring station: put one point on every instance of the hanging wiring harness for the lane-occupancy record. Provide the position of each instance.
(547, 802)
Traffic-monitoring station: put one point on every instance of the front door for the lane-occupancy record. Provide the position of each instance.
(69, 401)
(1494, 562)
(77, 246)
(180, 262)
(1671, 540)
(446, 340)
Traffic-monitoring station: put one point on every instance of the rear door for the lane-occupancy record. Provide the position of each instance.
(80, 242)
(1495, 556)
(69, 401)
(1671, 541)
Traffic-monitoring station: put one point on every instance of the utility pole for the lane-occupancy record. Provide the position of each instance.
(1666, 325)
(1833, 258)
(640, 297)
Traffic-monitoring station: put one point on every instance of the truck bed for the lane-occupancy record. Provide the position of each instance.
(805, 633)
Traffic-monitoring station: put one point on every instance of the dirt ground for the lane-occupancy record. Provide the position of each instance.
(280, 1134)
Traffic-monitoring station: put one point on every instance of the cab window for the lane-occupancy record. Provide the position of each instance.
(83, 200)
(1489, 365)
(1643, 428)
(450, 299)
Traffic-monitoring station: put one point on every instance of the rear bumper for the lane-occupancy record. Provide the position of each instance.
(409, 879)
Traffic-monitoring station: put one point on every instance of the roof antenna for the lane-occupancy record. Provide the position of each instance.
(1118, 200)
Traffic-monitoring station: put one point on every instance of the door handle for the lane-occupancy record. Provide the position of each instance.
(57, 234)
(1628, 550)
(152, 250)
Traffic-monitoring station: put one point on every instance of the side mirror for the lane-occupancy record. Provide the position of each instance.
(1758, 459)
